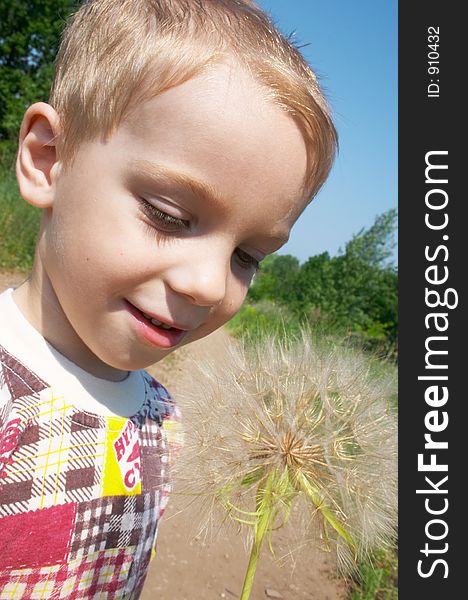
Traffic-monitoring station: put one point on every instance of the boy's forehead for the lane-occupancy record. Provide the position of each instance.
(224, 94)
(220, 82)
(224, 115)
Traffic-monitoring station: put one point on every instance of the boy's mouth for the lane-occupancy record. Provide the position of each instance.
(156, 322)
(158, 333)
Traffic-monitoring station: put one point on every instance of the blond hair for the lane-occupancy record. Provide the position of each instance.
(117, 53)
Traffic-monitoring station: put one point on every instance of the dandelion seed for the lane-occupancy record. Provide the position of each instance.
(294, 422)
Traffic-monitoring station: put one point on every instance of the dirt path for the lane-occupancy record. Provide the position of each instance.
(187, 567)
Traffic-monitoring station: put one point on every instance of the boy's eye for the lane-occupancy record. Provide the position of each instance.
(169, 224)
(161, 219)
(246, 260)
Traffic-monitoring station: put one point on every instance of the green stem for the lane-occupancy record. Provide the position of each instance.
(314, 494)
(263, 524)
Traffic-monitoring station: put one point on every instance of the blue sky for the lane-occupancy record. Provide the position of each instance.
(353, 49)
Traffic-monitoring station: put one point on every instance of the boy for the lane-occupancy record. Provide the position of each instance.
(182, 141)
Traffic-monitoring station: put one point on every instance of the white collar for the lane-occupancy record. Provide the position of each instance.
(82, 389)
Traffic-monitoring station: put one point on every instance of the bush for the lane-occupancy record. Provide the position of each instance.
(256, 320)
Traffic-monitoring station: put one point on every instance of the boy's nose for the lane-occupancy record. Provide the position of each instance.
(202, 278)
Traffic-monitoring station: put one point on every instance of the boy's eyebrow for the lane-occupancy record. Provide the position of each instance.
(197, 187)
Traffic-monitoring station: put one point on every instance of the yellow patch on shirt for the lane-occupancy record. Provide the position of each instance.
(122, 470)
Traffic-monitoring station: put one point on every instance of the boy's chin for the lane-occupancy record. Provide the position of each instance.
(122, 365)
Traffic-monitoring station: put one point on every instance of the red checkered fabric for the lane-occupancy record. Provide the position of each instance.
(102, 575)
(63, 534)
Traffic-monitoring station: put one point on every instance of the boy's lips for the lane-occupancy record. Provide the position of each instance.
(165, 336)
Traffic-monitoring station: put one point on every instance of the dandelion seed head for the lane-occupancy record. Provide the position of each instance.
(316, 413)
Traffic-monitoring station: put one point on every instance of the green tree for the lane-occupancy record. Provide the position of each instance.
(355, 291)
(315, 290)
(29, 36)
(276, 279)
(375, 245)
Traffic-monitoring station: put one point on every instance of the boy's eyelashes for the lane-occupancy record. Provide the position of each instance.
(167, 223)
(164, 221)
(246, 260)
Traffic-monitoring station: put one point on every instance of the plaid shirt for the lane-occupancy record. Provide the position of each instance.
(81, 495)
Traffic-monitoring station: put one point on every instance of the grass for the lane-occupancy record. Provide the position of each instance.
(19, 224)
(379, 580)
(257, 320)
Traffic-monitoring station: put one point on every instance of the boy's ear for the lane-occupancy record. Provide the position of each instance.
(36, 162)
